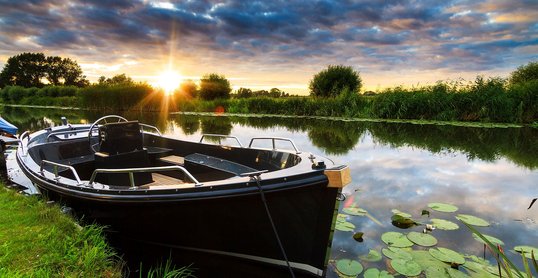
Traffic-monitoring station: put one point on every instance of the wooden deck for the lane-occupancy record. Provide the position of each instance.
(161, 181)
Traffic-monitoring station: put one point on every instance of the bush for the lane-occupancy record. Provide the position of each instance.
(333, 80)
(213, 86)
(525, 73)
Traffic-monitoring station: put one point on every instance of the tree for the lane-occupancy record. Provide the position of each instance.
(188, 88)
(29, 69)
(25, 69)
(213, 86)
(118, 79)
(525, 73)
(244, 93)
(331, 81)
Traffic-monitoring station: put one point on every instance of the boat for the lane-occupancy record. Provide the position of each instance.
(271, 206)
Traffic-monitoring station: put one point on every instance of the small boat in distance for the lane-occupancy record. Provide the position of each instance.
(268, 205)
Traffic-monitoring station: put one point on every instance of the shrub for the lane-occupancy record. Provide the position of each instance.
(525, 73)
(331, 82)
(213, 86)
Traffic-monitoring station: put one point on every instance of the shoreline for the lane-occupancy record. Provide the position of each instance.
(344, 119)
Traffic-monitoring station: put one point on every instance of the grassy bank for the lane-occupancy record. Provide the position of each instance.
(38, 240)
(492, 100)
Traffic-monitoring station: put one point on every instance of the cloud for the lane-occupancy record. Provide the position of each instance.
(454, 36)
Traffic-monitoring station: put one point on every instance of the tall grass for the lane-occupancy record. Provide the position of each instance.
(38, 240)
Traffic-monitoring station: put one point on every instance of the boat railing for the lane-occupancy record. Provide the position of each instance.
(273, 140)
(220, 136)
(68, 132)
(55, 169)
(24, 149)
(150, 127)
(131, 172)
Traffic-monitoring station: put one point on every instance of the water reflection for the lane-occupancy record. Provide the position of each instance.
(487, 172)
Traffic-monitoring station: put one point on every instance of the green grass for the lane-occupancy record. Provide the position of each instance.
(38, 240)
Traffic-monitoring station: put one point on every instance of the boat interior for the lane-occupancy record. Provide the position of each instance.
(123, 154)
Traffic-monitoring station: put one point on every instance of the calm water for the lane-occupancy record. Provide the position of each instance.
(491, 173)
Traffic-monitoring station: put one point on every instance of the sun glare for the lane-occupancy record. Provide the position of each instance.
(169, 81)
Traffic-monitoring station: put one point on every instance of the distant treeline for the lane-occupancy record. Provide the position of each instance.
(484, 100)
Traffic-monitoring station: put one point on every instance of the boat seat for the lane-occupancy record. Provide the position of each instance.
(218, 164)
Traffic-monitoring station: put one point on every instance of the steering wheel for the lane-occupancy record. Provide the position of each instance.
(102, 120)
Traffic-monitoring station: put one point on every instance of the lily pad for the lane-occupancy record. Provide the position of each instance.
(344, 226)
(355, 211)
(375, 273)
(396, 253)
(425, 259)
(407, 268)
(444, 272)
(341, 217)
(526, 250)
(491, 239)
(373, 256)
(422, 239)
(442, 207)
(403, 214)
(472, 220)
(349, 267)
(446, 255)
(444, 224)
(396, 239)
(358, 236)
(402, 222)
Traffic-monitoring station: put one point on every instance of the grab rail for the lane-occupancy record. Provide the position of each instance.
(221, 136)
(152, 127)
(131, 171)
(75, 131)
(56, 165)
(21, 145)
(273, 139)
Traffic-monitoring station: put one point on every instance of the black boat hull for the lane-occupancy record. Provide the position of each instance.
(231, 225)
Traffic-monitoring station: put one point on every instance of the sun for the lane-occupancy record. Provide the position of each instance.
(169, 81)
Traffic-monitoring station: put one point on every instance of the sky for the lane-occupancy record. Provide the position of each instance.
(282, 44)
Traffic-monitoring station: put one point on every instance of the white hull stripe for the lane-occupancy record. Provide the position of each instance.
(301, 266)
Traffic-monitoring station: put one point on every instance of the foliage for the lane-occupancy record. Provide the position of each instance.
(332, 81)
(118, 79)
(528, 72)
(38, 240)
(188, 88)
(29, 69)
(214, 86)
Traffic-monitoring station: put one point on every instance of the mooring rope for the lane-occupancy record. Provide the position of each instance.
(256, 177)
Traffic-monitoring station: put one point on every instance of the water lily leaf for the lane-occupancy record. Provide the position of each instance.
(422, 239)
(444, 272)
(526, 250)
(446, 255)
(355, 211)
(478, 270)
(344, 226)
(444, 224)
(349, 267)
(472, 220)
(375, 273)
(491, 239)
(442, 207)
(341, 217)
(358, 236)
(425, 259)
(403, 214)
(402, 222)
(396, 253)
(373, 256)
(407, 268)
(425, 212)
(396, 239)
